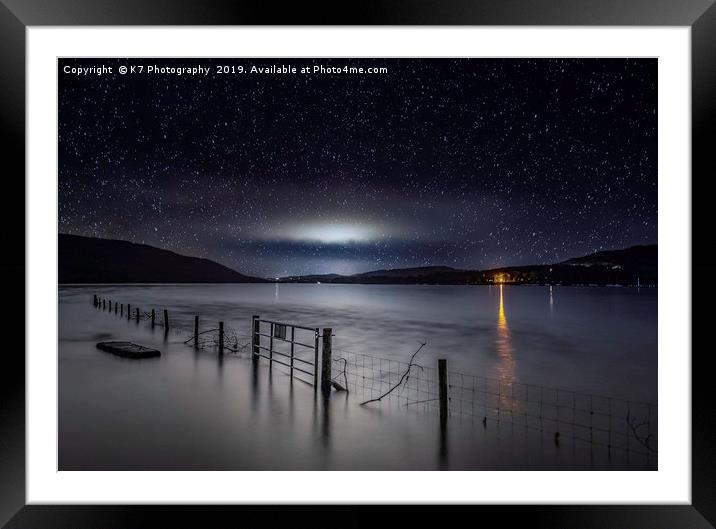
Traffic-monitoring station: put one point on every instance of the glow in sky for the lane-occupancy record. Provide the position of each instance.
(332, 233)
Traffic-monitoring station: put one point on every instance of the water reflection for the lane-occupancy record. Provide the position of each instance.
(326, 429)
(291, 402)
(255, 389)
(507, 364)
(220, 368)
(322, 422)
(443, 445)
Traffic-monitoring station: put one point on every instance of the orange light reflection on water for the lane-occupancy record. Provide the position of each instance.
(506, 366)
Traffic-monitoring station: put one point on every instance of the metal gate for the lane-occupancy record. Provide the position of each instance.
(296, 346)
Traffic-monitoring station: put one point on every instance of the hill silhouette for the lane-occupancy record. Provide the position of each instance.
(94, 260)
(629, 266)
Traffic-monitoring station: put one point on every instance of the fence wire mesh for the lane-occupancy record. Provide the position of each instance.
(562, 414)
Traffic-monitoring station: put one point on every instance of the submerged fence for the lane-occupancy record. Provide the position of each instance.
(283, 344)
(198, 334)
(562, 414)
(613, 423)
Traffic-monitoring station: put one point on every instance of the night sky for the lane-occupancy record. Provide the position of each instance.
(470, 163)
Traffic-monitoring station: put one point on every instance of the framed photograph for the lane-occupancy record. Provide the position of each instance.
(415, 255)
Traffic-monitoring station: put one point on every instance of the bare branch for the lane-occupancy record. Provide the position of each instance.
(403, 379)
(345, 377)
(203, 332)
(643, 441)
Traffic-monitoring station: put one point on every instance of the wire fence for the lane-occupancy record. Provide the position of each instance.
(563, 414)
(228, 339)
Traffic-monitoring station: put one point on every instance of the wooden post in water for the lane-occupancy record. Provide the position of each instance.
(153, 315)
(221, 337)
(271, 346)
(121, 309)
(94, 300)
(129, 311)
(443, 389)
(255, 338)
(443, 394)
(196, 332)
(115, 307)
(326, 361)
(293, 334)
(316, 336)
(104, 304)
(137, 312)
(166, 321)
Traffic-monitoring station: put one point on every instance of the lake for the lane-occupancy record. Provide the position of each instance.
(195, 410)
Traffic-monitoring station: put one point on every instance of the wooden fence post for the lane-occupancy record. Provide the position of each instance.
(271, 346)
(443, 388)
(326, 361)
(255, 338)
(293, 334)
(166, 321)
(221, 337)
(196, 332)
(152, 318)
(316, 337)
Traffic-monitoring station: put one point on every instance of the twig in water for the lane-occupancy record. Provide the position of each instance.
(345, 377)
(238, 347)
(403, 378)
(203, 332)
(643, 441)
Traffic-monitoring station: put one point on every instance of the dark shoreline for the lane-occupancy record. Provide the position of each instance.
(83, 285)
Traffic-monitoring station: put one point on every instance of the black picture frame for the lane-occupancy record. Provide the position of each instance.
(16, 15)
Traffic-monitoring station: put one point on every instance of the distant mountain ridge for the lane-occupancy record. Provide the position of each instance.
(94, 260)
(634, 265)
(395, 273)
(629, 257)
(409, 272)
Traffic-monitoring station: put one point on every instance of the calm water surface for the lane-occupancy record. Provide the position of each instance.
(191, 410)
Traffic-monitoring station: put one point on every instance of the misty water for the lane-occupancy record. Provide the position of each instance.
(200, 411)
